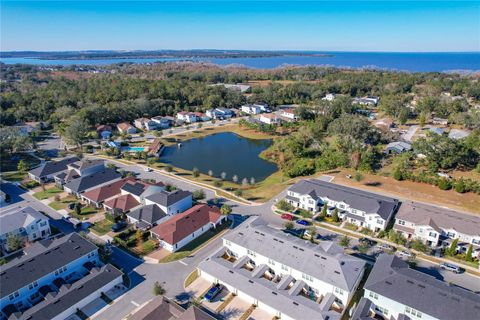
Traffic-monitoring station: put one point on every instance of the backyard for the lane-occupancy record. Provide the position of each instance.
(102, 227)
(47, 193)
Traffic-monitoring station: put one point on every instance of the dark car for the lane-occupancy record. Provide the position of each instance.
(367, 242)
(213, 292)
(288, 217)
(303, 222)
(119, 226)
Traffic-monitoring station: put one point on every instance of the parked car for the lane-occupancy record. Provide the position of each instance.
(303, 222)
(119, 226)
(367, 242)
(213, 292)
(405, 254)
(287, 216)
(386, 247)
(147, 169)
(451, 267)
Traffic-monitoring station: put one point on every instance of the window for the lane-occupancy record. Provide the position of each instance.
(284, 267)
(339, 291)
(401, 222)
(380, 221)
(32, 285)
(61, 270)
(432, 234)
(250, 252)
(270, 261)
(306, 277)
(228, 243)
(373, 295)
(43, 223)
(341, 206)
(476, 241)
(413, 312)
(13, 295)
(382, 310)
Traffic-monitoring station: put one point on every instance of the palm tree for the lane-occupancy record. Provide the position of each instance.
(235, 178)
(223, 175)
(210, 173)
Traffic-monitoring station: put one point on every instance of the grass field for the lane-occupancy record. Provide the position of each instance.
(102, 227)
(14, 175)
(63, 203)
(48, 193)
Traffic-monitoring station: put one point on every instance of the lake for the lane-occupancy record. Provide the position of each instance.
(222, 152)
(413, 62)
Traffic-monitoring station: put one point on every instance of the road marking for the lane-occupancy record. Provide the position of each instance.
(135, 304)
(180, 261)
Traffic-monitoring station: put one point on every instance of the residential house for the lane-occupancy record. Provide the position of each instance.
(440, 121)
(48, 170)
(81, 293)
(289, 114)
(179, 230)
(45, 267)
(27, 224)
(458, 134)
(220, 113)
(120, 204)
(156, 148)
(141, 189)
(283, 275)
(384, 123)
(78, 169)
(171, 202)
(364, 209)
(145, 217)
(162, 122)
(202, 116)
(398, 147)
(188, 117)
(126, 128)
(396, 291)
(263, 107)
(437, 226)
(85, 183)
(160, 308)
(369, 100)
(96, 197)
(270, 118)
(104, 131)
(251, 109)
(436, 130)
(145, 124)
(329, 97)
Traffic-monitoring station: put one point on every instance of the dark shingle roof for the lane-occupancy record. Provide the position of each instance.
(42, 258)
(358, 199)
(53, 167)
(166, 198)
(391, 277)
(83, 183)
(136, 188)
(150, 213)
(80, 290)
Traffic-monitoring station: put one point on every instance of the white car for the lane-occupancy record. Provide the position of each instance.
(405, 254)
(147, 169)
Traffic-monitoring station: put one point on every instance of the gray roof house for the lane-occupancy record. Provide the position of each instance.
(163, 308)
(97, 179)
(398, 147)
(166, 198)
(294, 277)
(313, 194)
(46, 171)
(146, 216)
(398, 291)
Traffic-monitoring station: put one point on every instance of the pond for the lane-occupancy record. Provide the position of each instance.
(222, 152)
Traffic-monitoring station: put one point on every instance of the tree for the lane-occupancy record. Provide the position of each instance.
(444, 184)
(252, 181)
(422, 119)
(289, 225)
(335, 216)
(198, 194)
(344, 241)
(210, 173)
(323, 213)
(452, 250)
(77, 208)
(403, 115)
(396, 237)
(76, 131)
(13, 140)
(23, 166)
(158, 133)
(151, 161)
(358, 176)
(460, 186)
(244, 182)
(158, 290)
(468, 255)
(199, 126)
(226, 210)
(397, 174)
(139, 236)
(312, 231)
(169, 168)
(57, 198)
(284, 205)
(218, 183)
(418, 245)
(14, 242)
(223, 175)
(235, 178)
(238, 192)
(196, 172)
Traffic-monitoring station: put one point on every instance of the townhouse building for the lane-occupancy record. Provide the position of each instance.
(27, 224)
(438, 227)
(284, 275)
(395, 291)
(364, 209)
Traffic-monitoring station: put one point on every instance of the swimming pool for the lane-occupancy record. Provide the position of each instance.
(133, 149)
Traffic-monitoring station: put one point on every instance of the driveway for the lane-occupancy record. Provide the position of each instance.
(197, 287)
(235, 309)
(215, 303)
(259, 314)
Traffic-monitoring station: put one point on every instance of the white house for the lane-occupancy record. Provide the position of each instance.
(369, 100)
(284, 275)
(188, 117)
(289, 114)
(364, 209)
(270, 118)
(162, 122)
(145, 124)
(251, 109)
(172, 202)
(179, 230)
(329, 97)
(27, 224)
(395, 291)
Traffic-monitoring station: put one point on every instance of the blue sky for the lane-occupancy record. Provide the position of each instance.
(270, 25)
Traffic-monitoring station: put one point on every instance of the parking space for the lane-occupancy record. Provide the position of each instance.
(217, 301)
(94, 306)
(259, 314)
(235, 309)
(198, 287)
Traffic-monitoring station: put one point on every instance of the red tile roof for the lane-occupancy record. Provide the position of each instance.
(184, 224)
(107, 191)
(123, 203)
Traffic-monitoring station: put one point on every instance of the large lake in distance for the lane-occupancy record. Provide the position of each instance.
(413, 62)
(222, 152)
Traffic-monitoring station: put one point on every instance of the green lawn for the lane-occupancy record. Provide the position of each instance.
(14, 176)
(102, 227)
(41, 195)
(85, 212)
(63, 203)
(194, 245)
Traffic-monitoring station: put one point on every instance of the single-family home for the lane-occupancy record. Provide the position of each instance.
(179, 230)
(25, 224)
(285, 276)
(383, 123)
(202, 116)
(121, 204)
(126, 128)
(220, 113)
(436, 130)
(437, 226)
(288, 114)
(156, 148)
(398, 147)
(263, 106)
(270, 118)
(96, 197)
(441, 121)
(251, 109)
(85, 183)
(145, 124)
(329, 97)
(104, 131)
(162, 122)
(458, 134)
(160, 308)
(147, 216)
(393, 290)
(171, 202)
(48, 170)
(362, 208)
(369, 100)
(141, 189)
(78, 169)
(188, 117)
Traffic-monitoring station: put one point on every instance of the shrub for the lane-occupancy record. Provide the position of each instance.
(238, 192)
(460, 186)
(285, 206)
(226, 210)
(158, 290)
(444, 184)
(169, 168)
(218, 183)
(397, 174)
(198, 194)
(344, 241)
(195, 172)
(288, 225)
(301, 167)
(335, 216)
(419, 246)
